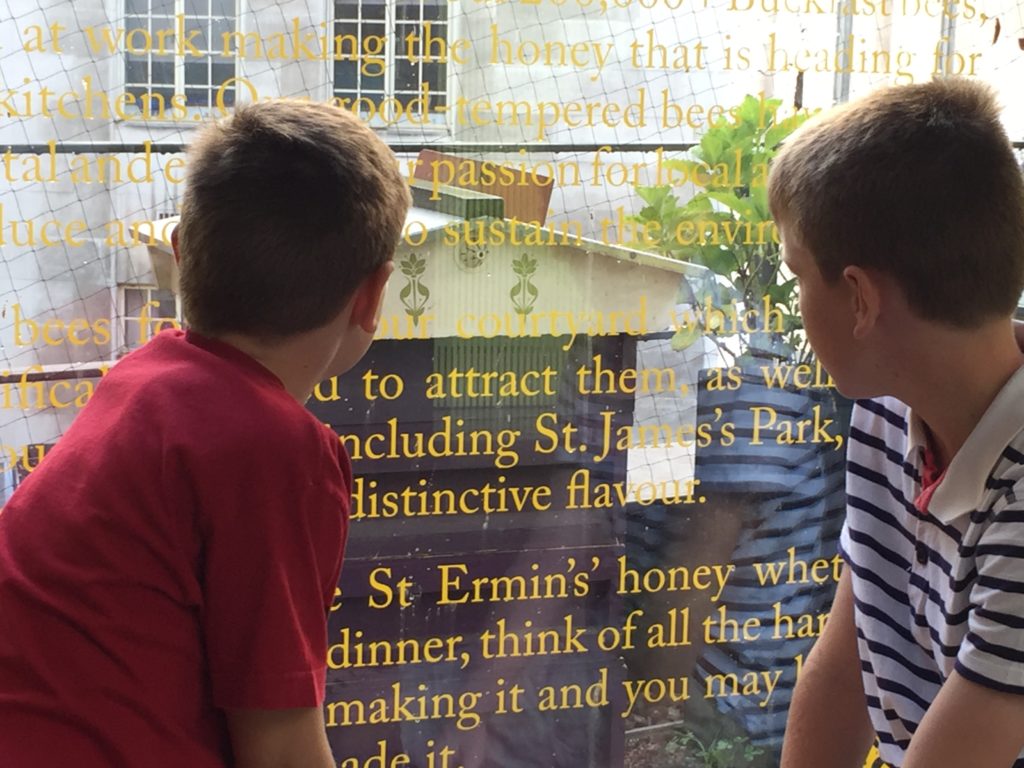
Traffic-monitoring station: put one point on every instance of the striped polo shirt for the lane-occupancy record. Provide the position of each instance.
(938, 591)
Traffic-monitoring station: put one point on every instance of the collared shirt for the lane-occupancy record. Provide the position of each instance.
(939, 591)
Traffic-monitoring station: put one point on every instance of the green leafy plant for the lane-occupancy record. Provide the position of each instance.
(727, 227)
(718, 753)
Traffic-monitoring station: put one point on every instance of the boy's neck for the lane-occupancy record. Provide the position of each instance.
(955, 377)
(301, 362)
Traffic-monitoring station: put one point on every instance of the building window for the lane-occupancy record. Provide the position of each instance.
(387, 59)
(144, 311)
(174, 64)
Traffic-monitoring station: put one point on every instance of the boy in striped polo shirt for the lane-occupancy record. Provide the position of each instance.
(902, 215)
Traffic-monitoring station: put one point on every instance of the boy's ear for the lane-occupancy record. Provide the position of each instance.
(369, 298)
(865, 298)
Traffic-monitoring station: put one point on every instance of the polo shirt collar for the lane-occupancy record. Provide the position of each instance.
(963, 487)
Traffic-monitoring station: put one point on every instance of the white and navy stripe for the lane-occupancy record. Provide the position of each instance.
(939, 591)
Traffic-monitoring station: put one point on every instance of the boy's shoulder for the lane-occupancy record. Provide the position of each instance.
(882, 422)
(190, 395)
(888, 438)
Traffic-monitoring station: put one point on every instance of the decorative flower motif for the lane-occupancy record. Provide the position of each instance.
(413, 266)
(524, 292)
(524, 266)
(414, 294)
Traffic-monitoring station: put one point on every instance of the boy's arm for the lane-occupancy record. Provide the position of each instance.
(279, 738)
(828, 721)
(969, 724)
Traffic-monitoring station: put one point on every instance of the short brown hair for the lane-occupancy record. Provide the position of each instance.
(289, 205)
(918, 181)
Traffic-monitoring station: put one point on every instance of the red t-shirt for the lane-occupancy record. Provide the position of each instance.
(175, 553)
(932, 475)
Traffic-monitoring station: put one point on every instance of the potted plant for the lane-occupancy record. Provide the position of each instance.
(773, 490)
(727, 227)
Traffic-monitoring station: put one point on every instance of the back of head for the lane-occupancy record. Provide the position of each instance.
(919, 182)
(289, 205)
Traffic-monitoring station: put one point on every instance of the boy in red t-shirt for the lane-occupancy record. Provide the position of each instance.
(166, 572)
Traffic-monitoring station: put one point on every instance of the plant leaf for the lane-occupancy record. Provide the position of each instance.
(685, 337)
(741, 206)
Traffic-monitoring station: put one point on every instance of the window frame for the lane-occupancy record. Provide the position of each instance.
(196, 113)
(440, 124)
(122, 318)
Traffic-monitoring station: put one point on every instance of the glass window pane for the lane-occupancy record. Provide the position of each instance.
(346, 74)
(132, 36)
(435, 10)
(136, 6)
(372, 9)
(402, 32)
(220, 30)
(436, 75)
(163, 69)
(222, 72)
(163, 7)
(376, 98)
(196, 73)
(138, 91)
(158, 101)
(136, 70)
(132, 336)
(371, 83)
(200, 40)
(407, 75)
(197, 7)
(223, 8)
(165, 306)
(133, 299)
(226, 97)
(197, 97)
(348, 29)
(408, 10)
(346, 9)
